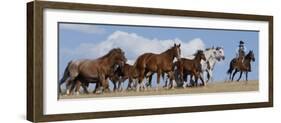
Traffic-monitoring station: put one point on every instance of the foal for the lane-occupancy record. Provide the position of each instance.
(191, 67)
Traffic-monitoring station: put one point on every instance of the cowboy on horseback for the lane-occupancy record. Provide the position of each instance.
(240, 53)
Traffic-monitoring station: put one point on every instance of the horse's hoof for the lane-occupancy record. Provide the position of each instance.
(156, 89)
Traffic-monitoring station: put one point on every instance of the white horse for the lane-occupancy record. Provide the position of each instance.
(213, 55)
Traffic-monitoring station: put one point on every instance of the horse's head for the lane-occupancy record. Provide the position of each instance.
(176, 51)
(118, 57)
(219, 53)
(200, 54)
(251, 55)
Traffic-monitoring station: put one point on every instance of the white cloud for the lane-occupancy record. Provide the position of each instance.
(85, 28)
(134, 45)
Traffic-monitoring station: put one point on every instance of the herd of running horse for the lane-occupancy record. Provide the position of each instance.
(113, 66)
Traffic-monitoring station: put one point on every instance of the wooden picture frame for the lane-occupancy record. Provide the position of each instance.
(35, 51)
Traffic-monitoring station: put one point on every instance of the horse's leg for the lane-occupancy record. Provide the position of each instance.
(60, 83)
(192, 83)
(158, 79)
(148, 84)
(166, 83)
(230, 73)
(114, 85)
(69, 82)
(145, 81)
(202, 80)
(196, 80)
(172, 79)
(85, 87)
(210, 73)
(105, 85)
(134, 83)
(239, 76)
(96, 87)
(72, 86)
(77, 87)
(246, 76)
(234, 74)
(121, 82)
(230, 78)
(141, 76)
(184, 80)
(129, 86)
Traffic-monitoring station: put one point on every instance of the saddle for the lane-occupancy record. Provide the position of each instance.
(240, 59)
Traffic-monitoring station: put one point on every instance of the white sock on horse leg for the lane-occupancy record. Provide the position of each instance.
(138, 87)
(67, 91)
(157, 86)
(174, 84)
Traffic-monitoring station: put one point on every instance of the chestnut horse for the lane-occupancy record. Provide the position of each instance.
(93, 70)
(149, 63)
(242, 66)
(191, 67)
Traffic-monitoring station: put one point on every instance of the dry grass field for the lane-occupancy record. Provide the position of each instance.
(213, 87)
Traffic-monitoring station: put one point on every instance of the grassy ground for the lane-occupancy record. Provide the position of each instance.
(251, 85)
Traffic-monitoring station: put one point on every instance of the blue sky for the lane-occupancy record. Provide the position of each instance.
(80, 41)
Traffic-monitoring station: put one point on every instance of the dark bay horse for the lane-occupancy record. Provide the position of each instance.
(192, 67)
(242, 66)
(149, 63)
(93, 70)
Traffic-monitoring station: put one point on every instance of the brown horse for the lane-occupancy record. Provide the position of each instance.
(117, 77)
(242, 66)
(190, 67)
(122, 74)
(156, 63)
(93, 71)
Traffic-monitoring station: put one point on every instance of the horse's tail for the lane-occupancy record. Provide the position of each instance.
(65, 76)
(230, 67)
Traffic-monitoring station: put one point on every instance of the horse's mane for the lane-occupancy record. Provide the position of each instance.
(218, 48)
(114, 50)
(198, 51)
(248, 54)
(207, 49)
(169, 49)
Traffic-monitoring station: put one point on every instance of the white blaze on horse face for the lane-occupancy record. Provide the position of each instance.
(178, 53)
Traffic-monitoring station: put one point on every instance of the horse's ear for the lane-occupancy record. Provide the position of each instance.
(179, 45)
(175, 44)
